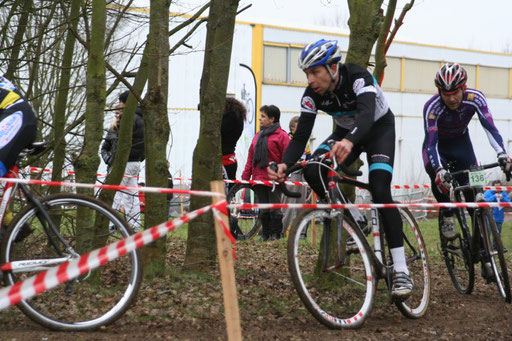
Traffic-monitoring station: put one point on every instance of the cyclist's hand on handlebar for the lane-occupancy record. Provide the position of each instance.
(504, 161)
(279, 174)
(443, 180)
(341, 149)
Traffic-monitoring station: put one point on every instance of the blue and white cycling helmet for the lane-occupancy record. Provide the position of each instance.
(322, 52)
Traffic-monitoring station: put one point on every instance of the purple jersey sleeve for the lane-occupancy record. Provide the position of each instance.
(477, 100)
(431, 113)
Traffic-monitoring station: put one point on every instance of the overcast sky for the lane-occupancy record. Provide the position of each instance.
(474, 24)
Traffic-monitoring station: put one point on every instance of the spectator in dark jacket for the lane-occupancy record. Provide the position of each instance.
(127, 201)
(231, 129)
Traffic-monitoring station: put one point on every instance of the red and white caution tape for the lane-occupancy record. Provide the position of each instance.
(246, 206)
(411, 186)
(251, 182)
(498, 188)
(112, 187)
(67, 271)
(264, 182)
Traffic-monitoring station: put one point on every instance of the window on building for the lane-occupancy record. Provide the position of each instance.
(419, 75)
(275, 64)
(392, 74)
(471, 71)
(493, 81)
(297, 76)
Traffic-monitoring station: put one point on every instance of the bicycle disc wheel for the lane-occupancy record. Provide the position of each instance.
(494, 249)
(244, 224)
(338, 289)
(417, 304)
(457, 256)
(94, 299)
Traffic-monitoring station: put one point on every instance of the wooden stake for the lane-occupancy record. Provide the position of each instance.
(227, 271)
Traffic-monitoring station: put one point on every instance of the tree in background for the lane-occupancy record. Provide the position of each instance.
(201, 246)
(156, 129)
(367, 23)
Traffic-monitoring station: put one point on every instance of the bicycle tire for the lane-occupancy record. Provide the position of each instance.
(416, 255)
(244, 224)
(457, 256)
(92, 300)
(338, 297)
(494, 248)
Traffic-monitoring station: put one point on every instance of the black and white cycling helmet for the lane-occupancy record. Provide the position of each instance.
(322, 52)
(450, 78)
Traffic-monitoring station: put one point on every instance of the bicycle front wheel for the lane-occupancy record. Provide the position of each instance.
(417, 304)
(335, 284)
(495, 254)
(457, 256)
(94, 299)
(244, 224)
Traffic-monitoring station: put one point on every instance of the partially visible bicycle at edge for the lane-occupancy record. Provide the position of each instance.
(479, 244)
(50, 230)
(334, 267)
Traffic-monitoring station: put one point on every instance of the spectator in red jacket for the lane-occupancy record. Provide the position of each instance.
(268, 145)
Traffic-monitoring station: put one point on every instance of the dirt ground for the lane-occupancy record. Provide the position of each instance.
(181, 307)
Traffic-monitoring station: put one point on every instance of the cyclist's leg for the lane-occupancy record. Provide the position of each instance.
(461, 151)
(440, 196)
(18, 129)
(380, 149)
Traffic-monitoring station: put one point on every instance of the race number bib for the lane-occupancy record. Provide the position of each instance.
(477, 178)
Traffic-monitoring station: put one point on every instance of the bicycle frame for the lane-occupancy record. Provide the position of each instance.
(476, 213)
(377, 252)
(46, 222)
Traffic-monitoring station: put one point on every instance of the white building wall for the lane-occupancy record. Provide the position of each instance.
(185, 76)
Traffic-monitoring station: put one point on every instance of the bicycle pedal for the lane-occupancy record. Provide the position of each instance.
(351, 247)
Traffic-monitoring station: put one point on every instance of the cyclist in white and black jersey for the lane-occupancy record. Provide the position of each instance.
(364, 122)
(18, 124)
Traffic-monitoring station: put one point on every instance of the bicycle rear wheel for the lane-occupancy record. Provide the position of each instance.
(495, 254)
(457, 256)
(338, 289)
(94, 299)
(244, 224)
(417, 304)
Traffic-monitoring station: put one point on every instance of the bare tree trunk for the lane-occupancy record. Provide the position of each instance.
(386, 37)
(59, 115)
(156, 130)
(86, 164)
(364, 23)
(201, 250)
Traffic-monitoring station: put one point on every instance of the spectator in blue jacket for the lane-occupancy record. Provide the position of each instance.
(497, 196)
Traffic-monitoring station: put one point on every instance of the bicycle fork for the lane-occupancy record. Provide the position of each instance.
(383, 270)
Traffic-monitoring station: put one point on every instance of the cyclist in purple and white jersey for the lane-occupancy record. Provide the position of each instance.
(364, 122)
(446, 119)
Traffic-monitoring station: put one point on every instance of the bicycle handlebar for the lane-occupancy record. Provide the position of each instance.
(282, 186)
(449, 175)
(324, 158)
